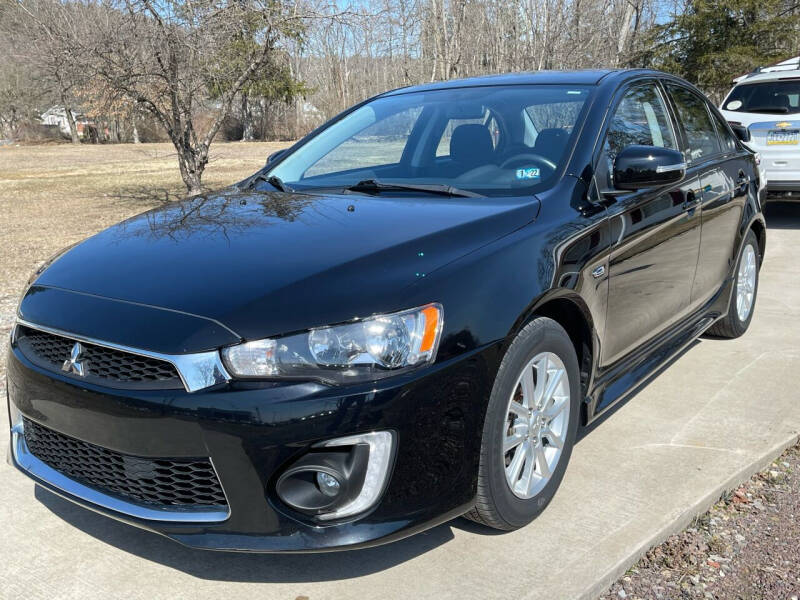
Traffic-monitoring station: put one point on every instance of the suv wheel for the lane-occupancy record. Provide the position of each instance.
(530, 427)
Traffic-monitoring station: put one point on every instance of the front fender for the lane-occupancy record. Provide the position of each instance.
(490, 294)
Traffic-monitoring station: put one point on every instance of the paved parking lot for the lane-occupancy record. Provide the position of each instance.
(719, 412)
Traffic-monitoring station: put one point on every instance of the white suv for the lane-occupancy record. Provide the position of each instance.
(767, 103)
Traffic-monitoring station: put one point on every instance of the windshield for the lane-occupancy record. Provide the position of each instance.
(768, 97)
(494, 141)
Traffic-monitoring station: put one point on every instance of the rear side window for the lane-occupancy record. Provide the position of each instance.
(701, 137)
(725, 136)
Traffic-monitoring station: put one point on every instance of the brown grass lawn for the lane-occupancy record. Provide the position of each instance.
(52, 196)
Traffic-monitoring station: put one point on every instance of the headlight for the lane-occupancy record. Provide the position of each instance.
(360, 351)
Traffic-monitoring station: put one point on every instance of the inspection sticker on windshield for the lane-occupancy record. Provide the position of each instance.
(530, 173)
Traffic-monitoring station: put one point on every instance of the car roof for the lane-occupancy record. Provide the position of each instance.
(582, 77)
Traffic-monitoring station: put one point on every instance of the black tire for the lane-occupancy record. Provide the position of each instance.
(496, 505)
(731, 326)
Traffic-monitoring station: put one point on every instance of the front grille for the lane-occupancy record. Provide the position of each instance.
(152, 481)
(101, 365)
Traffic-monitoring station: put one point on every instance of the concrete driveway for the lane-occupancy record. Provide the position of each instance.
(719, 412)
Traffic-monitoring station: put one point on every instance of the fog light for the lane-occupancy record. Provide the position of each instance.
(338, 478)
(328, 484)
(379, 444)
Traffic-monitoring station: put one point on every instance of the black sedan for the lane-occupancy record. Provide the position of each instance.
(405, 317)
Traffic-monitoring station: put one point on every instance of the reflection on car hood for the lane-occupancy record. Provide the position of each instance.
(269, 263)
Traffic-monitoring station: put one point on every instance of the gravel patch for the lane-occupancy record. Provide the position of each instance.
(747, 547)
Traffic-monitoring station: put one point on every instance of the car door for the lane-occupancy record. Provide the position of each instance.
(656, 231)
(725, 180)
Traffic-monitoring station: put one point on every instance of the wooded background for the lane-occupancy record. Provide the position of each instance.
(190, 71)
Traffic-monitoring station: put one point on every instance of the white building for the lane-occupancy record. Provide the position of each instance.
(57, 116)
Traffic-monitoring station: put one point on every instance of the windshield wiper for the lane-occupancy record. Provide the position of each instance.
(775, 110)
(273, 180)
(375, 186)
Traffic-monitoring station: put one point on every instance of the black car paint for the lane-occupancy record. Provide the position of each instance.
(251, 264)
(281, 253)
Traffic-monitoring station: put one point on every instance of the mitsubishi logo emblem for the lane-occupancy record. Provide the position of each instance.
(73, 363)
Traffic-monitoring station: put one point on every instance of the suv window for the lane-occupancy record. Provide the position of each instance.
(768, 97)
(701, 137)
(640, 118)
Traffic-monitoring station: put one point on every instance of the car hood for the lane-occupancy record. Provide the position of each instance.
(262, 264)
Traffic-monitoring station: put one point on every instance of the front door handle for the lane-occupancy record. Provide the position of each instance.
(692, 200)
(742, 182)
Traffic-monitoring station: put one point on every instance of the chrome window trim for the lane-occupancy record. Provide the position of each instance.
(197, 371)
(26, 461)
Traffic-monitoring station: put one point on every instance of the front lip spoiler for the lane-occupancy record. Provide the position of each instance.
(313, 541)
(197, 371)
(40, 471)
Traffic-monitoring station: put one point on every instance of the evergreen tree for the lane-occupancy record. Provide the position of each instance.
(713, 41)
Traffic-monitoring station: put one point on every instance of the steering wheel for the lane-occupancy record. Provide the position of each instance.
(528, 156)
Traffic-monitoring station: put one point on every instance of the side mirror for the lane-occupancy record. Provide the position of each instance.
(742, 132)
(276, 155)
(638, 167)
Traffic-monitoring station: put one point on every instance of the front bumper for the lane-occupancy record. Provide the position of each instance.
(252, 431)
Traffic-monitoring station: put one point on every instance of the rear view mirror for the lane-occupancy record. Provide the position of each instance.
(638, 167)
(276, 155)
(465, 111)
(742, 132)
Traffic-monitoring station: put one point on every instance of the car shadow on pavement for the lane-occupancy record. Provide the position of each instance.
(240, 566)
(782, 215)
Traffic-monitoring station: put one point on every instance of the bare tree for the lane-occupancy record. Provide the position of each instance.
(189, 65)
(401, 42)
(41, 31)
(174, 60)
(19, 93)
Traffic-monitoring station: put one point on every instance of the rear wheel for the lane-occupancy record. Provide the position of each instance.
(530, 427)
(743, 294)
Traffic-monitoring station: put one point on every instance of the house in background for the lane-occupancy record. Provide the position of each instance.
(56, 116)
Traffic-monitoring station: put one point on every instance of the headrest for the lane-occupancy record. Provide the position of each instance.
(551, 143)
(471, 145)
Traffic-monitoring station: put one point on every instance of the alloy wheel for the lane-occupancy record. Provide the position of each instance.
(746, 283)
(537, 419)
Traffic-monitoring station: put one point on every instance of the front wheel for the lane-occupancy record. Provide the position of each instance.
(743, 294)
(529, 428)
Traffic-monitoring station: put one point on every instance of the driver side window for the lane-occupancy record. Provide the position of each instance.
(640, 118)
